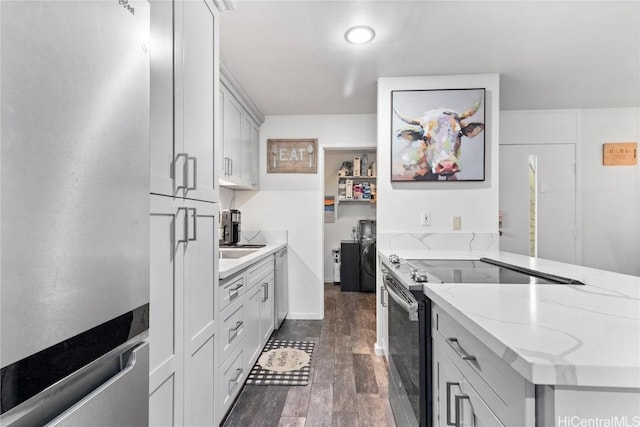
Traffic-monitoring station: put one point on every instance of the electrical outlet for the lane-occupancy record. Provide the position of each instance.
(456, 223)
(425, 218)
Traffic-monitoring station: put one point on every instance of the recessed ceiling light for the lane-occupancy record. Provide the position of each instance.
(360, 34)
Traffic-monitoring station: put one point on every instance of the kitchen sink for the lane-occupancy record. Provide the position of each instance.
(235, 253)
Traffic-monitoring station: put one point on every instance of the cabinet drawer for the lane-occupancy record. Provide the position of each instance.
(457, 403)
(231, 376)
(232, 289)
(486, 372)
(232, 328)
(256, 272)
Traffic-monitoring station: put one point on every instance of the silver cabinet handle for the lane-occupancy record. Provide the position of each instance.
(195, 221)
(458, 349)
(383, 302)
(194, 173)
(449, 385)
(265, 292)
(234, 382)
(230, 166)
(184, 169)
(234, 292)
(233, 332)
(459, 399)
(226, 166)
(185, 228)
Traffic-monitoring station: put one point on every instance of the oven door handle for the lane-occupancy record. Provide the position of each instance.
(410, 307)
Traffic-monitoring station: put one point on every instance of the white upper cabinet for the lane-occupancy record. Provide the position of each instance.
(184, 95)
(232, 119)
(240, 136)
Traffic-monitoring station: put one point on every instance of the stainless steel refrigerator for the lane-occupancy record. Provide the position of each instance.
(74, 285)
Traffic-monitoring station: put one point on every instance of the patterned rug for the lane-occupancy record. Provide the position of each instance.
(283, 363)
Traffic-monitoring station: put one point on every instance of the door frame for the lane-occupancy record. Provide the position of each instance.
(552, 127)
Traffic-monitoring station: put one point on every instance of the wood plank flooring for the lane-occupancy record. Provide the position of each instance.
(348, 384)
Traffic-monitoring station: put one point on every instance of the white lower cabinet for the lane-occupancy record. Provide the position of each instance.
(233, 327)
(472, 385)
(183, 323)
(457, 403)
(252, 343)
(246, 322)
(232, 376)
(267, 308)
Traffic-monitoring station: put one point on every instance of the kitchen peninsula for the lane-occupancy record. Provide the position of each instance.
(534, 354)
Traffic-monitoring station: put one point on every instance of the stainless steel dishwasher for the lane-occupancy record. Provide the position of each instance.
(281, 287)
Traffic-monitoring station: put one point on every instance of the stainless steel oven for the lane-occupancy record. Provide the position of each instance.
(409, 320)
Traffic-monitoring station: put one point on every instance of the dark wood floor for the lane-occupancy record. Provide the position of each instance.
(349, 382)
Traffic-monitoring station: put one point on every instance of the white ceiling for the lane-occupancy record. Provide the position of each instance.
(291, 56)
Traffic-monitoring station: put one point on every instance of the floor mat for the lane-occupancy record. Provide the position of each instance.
(283, 363)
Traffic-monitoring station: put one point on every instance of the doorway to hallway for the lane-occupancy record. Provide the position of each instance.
(538, 201)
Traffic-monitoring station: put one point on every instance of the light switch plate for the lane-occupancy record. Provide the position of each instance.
(425, 218)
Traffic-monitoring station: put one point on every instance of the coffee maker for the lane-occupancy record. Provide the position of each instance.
(229, 227)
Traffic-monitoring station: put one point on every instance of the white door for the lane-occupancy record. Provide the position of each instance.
(555, 200)
(166, 332)
(197, 120)
(200, 274)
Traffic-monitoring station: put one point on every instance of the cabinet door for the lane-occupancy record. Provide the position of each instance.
(197, 118)
(166, 361)
(457, 402)
(267, 308)
(254, 156)
(232, 139)
(252, 339)
(183, 72)
(200, 281)
(247, 148)
(162, 160)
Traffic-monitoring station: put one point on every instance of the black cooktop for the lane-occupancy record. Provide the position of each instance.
(484, 270)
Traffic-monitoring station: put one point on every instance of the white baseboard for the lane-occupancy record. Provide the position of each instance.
(304, 316)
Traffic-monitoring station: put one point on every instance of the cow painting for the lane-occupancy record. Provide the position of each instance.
(428, 145)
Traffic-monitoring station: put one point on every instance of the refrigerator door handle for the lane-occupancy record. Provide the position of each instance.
(118, 379)
(134, 372)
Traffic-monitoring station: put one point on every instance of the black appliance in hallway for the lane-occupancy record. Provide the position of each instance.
(367, 240)
(350, 266)
(358, 260)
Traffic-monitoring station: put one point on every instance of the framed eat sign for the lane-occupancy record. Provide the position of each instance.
(620, 154)
(292, 155)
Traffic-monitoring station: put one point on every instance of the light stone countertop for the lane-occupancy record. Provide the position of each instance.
(551, 334)
(228, 267)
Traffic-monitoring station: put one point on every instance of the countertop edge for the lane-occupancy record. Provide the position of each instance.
(233, 266)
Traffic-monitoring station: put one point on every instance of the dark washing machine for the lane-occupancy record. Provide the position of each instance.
(367, 238)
